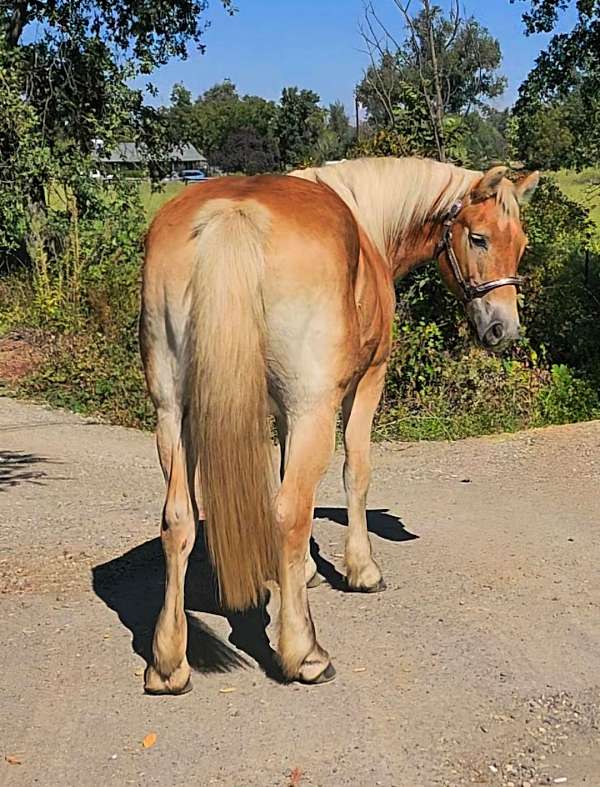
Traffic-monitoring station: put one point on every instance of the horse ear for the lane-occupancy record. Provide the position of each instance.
(524, 188)
(488, 185)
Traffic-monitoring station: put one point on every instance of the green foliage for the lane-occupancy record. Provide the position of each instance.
(298, 126)
(441, 67)
(337, 135)
(435, 391)
(412, 136)
(245, 151)
(251, 135)
(25, 159)
(92, 374)
(558, 132)
(567, 399)
(468, 62)
(485, 138)
(85, 298)
(561, 95)
(67, 87)
(584, 188)
(235, 133)
(562, 305)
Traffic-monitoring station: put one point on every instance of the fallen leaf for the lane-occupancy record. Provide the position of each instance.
(13, 759)
(227, 690)
(295, 777)
(149, 740)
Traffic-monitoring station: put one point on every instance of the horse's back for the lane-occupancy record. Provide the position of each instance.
(312, 255)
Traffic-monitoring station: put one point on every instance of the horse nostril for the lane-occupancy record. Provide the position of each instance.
(494, 334)
(497, 331)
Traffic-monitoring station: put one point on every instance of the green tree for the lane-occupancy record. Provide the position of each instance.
(562, 91)
(298, 126)
(25, 157)
(543, 137)
(435, 67)
(486, 137)
(245, 150)
(75, 71)
(216, 117)
(339, 131)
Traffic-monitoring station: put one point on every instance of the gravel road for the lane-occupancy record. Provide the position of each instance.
(479, 664)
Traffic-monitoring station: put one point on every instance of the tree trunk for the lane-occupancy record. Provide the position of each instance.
(438, 115)
(16, 23)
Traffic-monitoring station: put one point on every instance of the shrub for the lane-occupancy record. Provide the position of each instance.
(567, 399)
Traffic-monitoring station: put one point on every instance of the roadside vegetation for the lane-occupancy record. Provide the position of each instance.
(71, 245)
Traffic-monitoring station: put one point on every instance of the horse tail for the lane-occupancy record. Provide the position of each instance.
(227, 394)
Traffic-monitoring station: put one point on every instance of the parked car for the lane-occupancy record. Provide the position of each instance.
(95, 174)
(192, 175)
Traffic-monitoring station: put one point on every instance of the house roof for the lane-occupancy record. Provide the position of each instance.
(130, 153)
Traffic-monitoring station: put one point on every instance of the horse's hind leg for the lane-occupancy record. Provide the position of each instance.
(358, 409)
(170, 672)
(311, 445)
(310, 567)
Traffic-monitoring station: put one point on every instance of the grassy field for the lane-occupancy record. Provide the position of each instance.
(583, 187)
(152, 200)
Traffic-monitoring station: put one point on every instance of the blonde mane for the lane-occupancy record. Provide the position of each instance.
(390, 196)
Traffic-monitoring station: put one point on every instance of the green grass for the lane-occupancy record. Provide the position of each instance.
(153, 200)
(582, 187)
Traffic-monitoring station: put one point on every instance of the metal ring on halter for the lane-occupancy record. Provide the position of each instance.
(470, 291)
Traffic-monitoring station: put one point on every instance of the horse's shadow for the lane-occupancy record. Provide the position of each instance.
(133, 586)
(380, 522)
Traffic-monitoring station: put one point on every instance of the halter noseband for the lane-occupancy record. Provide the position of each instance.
(470, 291)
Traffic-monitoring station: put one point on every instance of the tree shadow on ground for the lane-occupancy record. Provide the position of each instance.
(17, 467)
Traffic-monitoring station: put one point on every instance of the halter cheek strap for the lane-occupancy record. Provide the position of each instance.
(470, 291)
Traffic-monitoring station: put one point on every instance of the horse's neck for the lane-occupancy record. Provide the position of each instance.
(387, 199)
(414, 249)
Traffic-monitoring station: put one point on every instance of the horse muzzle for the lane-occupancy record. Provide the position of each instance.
(496, 330)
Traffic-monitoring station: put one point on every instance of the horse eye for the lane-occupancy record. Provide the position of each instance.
(478, 240)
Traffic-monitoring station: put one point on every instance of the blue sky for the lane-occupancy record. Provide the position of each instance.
(270, 44)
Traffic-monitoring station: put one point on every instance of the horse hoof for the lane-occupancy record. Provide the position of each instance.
(378, 588)
(326, 676)
(155, 685)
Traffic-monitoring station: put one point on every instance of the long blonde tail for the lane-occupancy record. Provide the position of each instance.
(228, 397)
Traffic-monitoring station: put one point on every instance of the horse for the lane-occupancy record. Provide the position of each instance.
(273, 296)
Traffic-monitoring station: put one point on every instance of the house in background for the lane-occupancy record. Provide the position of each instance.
(128, 157)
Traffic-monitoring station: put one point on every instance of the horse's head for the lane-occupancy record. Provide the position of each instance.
(479, 254)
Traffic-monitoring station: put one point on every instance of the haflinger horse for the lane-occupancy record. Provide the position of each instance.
(274, 296)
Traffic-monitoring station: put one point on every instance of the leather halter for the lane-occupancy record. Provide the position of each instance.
(470, 291)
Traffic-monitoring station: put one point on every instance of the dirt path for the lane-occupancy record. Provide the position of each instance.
(479, 664)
